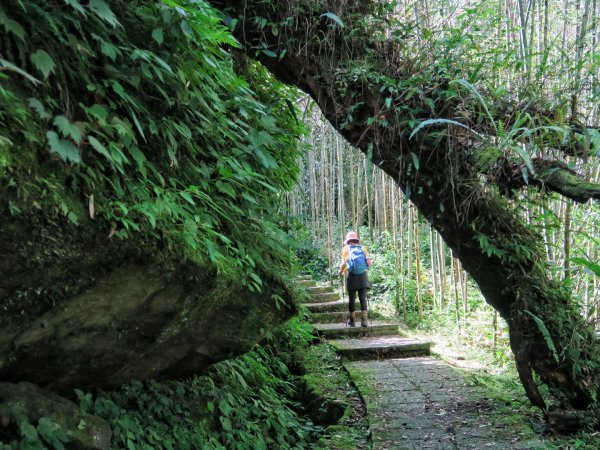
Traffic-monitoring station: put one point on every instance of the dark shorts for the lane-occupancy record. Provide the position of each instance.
(357, 282)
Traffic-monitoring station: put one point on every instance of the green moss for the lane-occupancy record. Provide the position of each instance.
(327, 379)
(360, 379)
(340, 437)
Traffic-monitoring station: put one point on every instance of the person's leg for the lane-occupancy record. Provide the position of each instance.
(352, 307)
(362, 295)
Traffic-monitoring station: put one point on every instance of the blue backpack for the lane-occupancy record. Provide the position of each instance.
(356, 262)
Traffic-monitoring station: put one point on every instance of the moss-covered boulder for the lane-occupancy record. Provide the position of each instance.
(49, 417)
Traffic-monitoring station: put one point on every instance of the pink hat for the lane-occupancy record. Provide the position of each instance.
(351, 236)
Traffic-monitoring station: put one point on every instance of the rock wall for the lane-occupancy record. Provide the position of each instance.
(140, 316)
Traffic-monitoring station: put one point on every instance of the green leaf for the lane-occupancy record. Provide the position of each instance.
(137, 123)
(158, 35)
(101, 9)
(255, 278)
(51, 433)
(290, 106)
(429, 122)
(12, 26)
(76, 6)
(415, 159)
(97, 145)
(212, 250)
(335, 18)
(38, 107)
(546, 334)
(595, 268)
(269, 53)
(225, 408)
(68, 129)
(109, 50)
(98, 111)
(63, 148)
(225, 188)
(138, 156)
(525, 157)
(476, 93)
(43, 62)
(28, 431)
(7, 65)
(187, 197)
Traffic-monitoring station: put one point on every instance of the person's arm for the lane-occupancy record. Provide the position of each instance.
(367, 256)
(344, 257)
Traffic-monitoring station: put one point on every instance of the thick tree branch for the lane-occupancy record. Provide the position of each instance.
(549, 175)
(373, 96)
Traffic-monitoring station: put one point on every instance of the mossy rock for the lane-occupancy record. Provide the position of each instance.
(82, 310)
(25, 401)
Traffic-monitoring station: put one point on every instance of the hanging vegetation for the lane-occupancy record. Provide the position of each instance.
(132, 115)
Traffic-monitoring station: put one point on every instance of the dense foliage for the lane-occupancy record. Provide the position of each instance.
(247, 402)
(133, 115)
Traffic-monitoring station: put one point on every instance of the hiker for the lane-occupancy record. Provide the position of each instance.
(355, 262)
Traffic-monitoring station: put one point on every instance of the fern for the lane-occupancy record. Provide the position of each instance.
(546, 334)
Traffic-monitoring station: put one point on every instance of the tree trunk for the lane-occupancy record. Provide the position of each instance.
(418, 266)
(547, 334)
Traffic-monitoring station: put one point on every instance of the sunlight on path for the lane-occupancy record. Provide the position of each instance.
(414, 401)
(422, 403)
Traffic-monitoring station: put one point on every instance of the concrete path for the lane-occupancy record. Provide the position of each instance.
(423, 403)
(412, 401)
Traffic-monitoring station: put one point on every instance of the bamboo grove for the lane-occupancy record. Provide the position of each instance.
(340, 189)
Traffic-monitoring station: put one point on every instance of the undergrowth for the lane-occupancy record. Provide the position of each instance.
(130, 117)
(250, 402)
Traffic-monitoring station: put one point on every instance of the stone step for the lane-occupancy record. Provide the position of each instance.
(312, 290)
(341, 330)
(304, 277)
(306, 283)
(327, 306)
(329, 317)
(325, 297)
(384, 347)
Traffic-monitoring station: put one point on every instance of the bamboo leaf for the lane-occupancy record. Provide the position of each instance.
(138, 156)
(334, 17)
(429, 122)
(7, 65)
(76, 6)
(593, 267)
